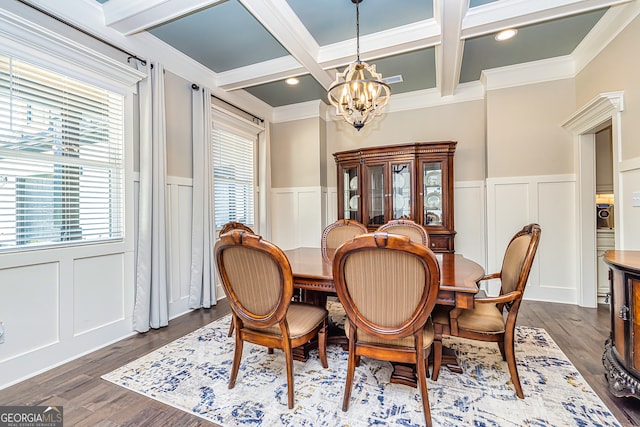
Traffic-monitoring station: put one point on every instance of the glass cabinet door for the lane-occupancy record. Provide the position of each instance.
(401, 199)
(375, 196)
(432, 193)
(350, 194)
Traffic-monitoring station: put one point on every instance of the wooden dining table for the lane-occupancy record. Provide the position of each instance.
(313, 275)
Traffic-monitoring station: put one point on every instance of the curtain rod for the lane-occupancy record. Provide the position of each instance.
(75, 27)
(196, 87)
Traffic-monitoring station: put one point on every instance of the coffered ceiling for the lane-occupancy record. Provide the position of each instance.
(437, 45)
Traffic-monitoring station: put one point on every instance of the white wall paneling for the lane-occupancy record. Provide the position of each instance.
(58, 304)
(470, 220)
(628, 237)
(179, 193)
(32, 304)
(550, 201)
(332, 206)
(104, 291)
(296, 221)
(296, 217)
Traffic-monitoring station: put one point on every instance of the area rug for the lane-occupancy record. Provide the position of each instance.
(192, 373)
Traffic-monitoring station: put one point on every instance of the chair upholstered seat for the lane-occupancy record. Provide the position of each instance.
(493, 318)
(409, 342)
(302, 318)
(484, 318)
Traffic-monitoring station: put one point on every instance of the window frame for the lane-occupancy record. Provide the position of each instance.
(229, 122)
(32, 43)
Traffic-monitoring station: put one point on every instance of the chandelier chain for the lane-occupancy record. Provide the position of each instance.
(358, 30)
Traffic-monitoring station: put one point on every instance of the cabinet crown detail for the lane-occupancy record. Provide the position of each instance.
(407, 181)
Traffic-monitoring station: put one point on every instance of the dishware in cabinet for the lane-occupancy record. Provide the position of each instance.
(388, 191)
(435, 197)
(349, 192)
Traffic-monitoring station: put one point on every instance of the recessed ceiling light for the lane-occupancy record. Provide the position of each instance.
(506, 34)
(292, 81)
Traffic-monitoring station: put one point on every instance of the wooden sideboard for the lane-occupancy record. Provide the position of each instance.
(621, 358)
(409, 181)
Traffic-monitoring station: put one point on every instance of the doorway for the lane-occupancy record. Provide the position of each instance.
(603, 111)
(605, 208)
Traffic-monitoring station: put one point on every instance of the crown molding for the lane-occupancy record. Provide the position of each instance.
(606, 29)
(529, 73)
(303, 110)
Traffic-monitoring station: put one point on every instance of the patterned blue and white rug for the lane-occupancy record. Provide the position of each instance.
(192, 373)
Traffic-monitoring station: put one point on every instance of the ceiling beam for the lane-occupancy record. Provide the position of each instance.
(449, 52)
(418, 35)
(493, 17)
(283, 24)
(402, 39)
(133, 16)
(262, 72)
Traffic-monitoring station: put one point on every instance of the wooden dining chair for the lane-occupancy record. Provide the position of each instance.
(388, 286)
(233, 225)
(337, 233)
(487, 321)
(258, 282)
(334, 235)
(407, 227)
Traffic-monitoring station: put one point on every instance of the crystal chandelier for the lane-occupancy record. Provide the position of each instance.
(358, 93)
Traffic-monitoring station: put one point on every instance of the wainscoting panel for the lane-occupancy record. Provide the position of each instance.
(557, 216)
(284, 220)
(60, 303)
(331, 214)
(309, 208)
(296, 217)
(179, 202)
(627, 220)
(469, 211)
(30, 297)
(98, 298)
(550, 201)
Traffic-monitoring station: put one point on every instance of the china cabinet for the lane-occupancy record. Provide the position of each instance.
(410, 181)
(621, 358)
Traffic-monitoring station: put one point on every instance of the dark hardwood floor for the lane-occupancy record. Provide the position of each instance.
(88, 400)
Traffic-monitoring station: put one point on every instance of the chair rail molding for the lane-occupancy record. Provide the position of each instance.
(587, 120)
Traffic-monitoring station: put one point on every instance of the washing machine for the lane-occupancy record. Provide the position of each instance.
(604, 216)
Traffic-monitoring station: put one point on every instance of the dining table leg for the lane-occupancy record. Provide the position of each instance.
(404, 373)
(335, 334)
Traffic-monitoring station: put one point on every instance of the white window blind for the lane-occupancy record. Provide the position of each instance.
(61, 159)
(233, 176)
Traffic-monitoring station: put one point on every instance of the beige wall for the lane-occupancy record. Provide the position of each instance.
(617, 68)
(462, 122)
(295, 153)
(604, 162)
(524, 133)
(179, 138)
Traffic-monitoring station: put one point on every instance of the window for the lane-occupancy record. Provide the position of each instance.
(61, 159)
(233, 176)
